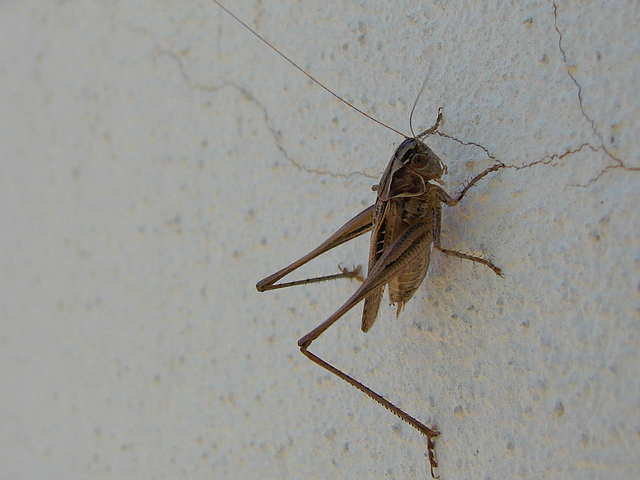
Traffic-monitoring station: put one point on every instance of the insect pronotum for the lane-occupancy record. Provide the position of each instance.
(404, 223)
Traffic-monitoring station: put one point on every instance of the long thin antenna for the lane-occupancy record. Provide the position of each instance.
(433, 129)
(424, 83)
(305, 72)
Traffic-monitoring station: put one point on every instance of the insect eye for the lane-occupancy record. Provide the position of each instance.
(419, 161)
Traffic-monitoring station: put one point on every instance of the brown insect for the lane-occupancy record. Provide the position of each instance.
(405, 224)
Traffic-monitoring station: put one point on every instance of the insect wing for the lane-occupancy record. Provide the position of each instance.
(376, 247)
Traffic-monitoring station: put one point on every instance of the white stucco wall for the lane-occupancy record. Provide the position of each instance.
(157, 160)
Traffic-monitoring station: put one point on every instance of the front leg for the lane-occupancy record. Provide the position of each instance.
(444, 197)
(437, 222)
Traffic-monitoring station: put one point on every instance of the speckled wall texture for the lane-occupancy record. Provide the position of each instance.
(157, 160)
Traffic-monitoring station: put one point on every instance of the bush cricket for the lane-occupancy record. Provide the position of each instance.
(405, 224)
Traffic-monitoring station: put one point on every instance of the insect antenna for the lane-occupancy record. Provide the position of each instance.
(430, 130)
(413, 109)
(306, 73)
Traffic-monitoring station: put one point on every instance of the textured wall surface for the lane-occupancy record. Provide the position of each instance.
(157, 160)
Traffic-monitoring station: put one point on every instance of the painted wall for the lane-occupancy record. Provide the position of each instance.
(157, 160)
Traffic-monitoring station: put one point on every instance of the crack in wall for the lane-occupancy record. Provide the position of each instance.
(546, 160)
(247, 95)
(551, 158)
(602, 146)
(481, 147)
(277, 135)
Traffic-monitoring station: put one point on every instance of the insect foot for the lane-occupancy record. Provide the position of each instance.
(353, 273)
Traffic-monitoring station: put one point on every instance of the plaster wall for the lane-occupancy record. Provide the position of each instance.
(157, 160)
